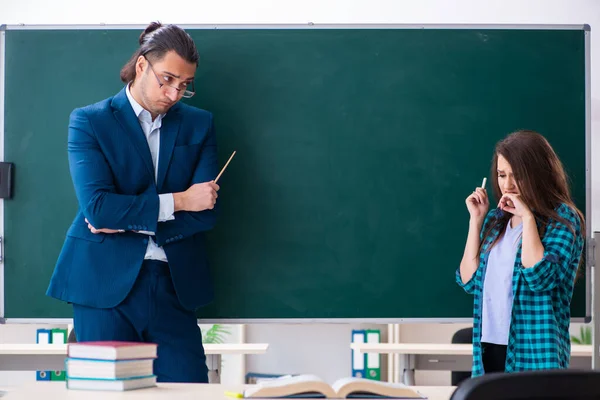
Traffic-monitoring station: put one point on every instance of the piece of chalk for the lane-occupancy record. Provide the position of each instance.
(483, 183)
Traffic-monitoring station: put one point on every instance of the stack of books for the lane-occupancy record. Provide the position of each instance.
(110, 365)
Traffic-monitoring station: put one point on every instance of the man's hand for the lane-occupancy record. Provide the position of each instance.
(199, 197)
(95, 231)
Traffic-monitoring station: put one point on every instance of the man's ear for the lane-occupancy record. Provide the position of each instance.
(140, 65)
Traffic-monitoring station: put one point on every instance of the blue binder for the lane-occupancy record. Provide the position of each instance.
(43, 336)
(358, 358)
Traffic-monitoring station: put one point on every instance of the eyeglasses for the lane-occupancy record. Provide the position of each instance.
(182, 90)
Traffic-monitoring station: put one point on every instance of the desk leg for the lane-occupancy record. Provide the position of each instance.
(408, 363)
(213, 362)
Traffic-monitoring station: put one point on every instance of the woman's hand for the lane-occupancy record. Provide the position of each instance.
(512, 203)
(478, 204)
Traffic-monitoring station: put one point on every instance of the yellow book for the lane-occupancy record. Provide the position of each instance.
(313, 386)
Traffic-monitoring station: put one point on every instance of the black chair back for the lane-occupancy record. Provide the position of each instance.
(536, 385)
(461, 336)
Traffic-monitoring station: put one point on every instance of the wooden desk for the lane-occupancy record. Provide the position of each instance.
(51, 357)
(170, 391)
(449, 356)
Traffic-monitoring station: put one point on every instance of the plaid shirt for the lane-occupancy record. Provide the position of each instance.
(541, 313)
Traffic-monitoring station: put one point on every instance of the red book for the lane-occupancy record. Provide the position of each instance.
(111, 350)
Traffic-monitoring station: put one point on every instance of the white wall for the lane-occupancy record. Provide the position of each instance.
(232, 372)
(285, 354)
(19, 334)
(321, 349)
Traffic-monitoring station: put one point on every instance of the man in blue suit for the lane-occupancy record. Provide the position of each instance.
(134, 261)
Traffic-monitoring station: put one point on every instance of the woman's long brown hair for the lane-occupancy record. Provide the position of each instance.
(540, 176)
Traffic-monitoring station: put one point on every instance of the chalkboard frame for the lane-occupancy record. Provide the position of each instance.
(590, 291)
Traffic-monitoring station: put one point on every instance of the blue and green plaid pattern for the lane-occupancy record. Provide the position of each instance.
(541, 313)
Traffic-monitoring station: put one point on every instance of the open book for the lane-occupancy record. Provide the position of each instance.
(312, 386)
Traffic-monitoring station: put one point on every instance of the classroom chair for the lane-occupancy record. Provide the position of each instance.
(535, 385)
(461, 336)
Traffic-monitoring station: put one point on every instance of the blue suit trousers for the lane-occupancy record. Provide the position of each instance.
(151, 313)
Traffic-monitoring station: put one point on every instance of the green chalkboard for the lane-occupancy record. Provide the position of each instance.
(355, 151)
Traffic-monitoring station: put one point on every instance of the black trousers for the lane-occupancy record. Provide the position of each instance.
(493, 356)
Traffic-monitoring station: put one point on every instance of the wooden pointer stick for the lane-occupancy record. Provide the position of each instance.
(226, 164)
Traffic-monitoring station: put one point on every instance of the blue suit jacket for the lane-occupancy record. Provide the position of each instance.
(112, 171)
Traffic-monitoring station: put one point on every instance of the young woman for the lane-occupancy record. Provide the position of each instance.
(521, 259)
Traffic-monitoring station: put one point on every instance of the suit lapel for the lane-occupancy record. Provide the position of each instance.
(124, 114)
(168, 136)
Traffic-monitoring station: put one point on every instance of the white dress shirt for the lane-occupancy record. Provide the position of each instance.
(167, 205)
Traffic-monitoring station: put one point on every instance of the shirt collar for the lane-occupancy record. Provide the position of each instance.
(140, 112)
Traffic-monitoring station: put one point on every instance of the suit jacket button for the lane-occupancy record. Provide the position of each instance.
(145, 241)
(180, 237)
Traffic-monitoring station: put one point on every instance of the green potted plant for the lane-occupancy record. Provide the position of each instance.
(585, 336)
(216, 334)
